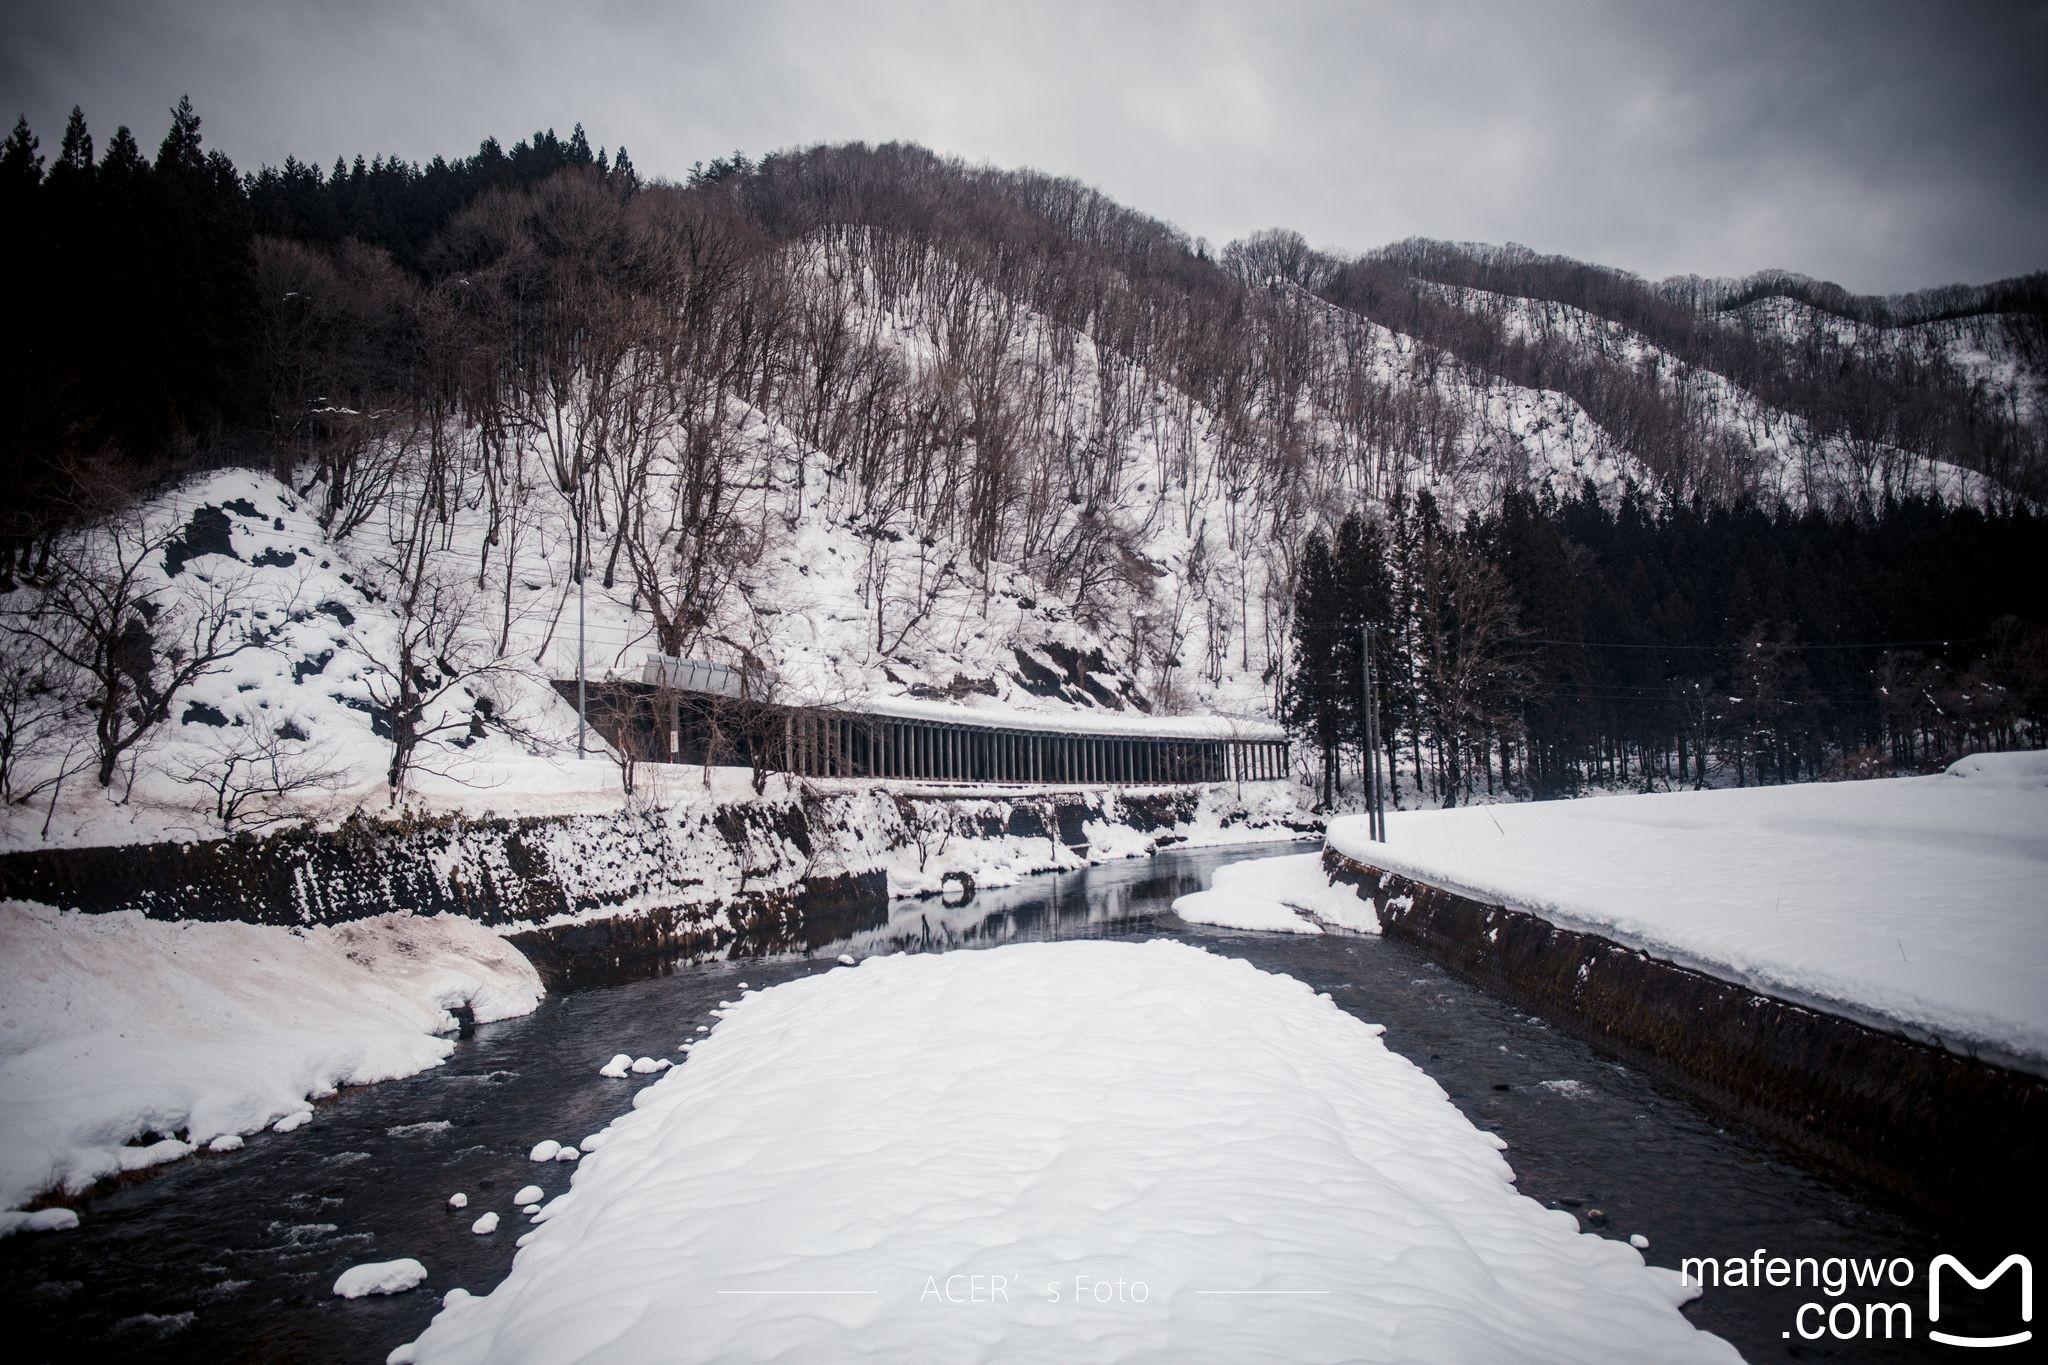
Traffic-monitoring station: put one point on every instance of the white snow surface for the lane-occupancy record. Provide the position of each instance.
(116, 1025)
(1916, 903)
(1237, 909)
(42, 1220)
(1041, 1112)
(1298, 880)
(380, 1277)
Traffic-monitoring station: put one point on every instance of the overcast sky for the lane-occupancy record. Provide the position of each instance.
(1882, 145)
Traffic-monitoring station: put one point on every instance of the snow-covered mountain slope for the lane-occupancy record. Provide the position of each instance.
(1048, 462)
(1777, 455)
(2000, 353)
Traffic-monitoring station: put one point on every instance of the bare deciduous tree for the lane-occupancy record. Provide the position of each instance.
(260, 772)
(136, 640)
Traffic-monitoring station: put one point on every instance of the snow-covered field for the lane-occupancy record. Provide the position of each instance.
(114, 1027)
(1077, 1151)
(1917, 903)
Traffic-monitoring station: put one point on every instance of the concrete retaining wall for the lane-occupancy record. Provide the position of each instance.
(601, 896)
(1957, 1136)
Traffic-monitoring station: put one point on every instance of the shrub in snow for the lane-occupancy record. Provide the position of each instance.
(545, 1150)
(380, 1277)
(485, 1225)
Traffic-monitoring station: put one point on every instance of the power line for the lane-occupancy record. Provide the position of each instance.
(1731, 649)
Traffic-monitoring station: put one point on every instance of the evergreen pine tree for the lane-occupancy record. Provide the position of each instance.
(180, 152)
(1313, 704)
(21, 164)
(75, 158)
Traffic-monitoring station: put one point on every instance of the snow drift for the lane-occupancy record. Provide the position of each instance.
(1243, 1168)
(127, 1041)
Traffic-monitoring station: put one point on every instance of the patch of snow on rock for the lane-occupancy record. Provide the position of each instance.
(380, 1277)
(42, 1220)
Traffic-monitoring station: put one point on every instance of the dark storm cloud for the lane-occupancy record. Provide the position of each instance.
(1886, 146)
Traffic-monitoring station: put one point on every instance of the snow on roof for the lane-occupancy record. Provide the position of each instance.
(1122, 724)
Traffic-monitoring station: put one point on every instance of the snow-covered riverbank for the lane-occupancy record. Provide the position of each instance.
(126, 1041)
(115, 1027)
(1909, 902)
(1069, 1151)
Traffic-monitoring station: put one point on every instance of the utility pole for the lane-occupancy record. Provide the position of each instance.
(582, 708)
(1376, 813)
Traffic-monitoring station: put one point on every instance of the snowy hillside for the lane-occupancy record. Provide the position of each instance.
(2000, 353)
(1778, 454)
(884, 432)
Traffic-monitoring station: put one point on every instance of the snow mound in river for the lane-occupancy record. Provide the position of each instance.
(1075, 1151)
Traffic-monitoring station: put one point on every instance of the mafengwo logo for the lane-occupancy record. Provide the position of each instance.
(1946, 1261)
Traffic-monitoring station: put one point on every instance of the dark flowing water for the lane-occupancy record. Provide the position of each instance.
(232, 1257)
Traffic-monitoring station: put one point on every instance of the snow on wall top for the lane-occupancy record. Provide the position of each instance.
(1910, 903)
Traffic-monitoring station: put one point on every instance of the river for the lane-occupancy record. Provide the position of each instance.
(232, 1257)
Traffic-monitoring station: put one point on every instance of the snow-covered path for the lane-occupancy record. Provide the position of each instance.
(1060, 1151)
(1920, 901)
